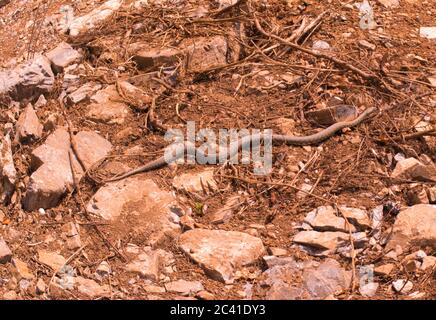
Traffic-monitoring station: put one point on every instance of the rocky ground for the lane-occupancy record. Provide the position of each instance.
(89, 88)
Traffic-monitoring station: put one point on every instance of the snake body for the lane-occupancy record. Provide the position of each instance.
(246, 141)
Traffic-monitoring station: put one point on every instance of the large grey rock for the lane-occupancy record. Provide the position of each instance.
(220, 252)
(28, 80)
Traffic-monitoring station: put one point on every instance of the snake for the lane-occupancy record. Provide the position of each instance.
(189, 147)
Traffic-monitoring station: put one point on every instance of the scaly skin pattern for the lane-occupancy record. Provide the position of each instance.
(246, 141)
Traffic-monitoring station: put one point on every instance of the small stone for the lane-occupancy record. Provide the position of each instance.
(41, 102)
(40, 286)
(384, 270)
(327, 279)
(187, 222)
(28, 127)
(107, 107)
(428, 263)
(147, 265)
(320, 45)
(329, 116)
(413, 169)
(51, 259)
(428, 32)
(414, 225)
(205, 295)
(103, 269)
(369, 289)
(367, 45)
(10, 295)
(324, 218)
(8, 173)
(22, 269)
(86, 23)
(402, 286)
(390, 3)
(5, 252)
(62, 56)
(219, 252)
(91, 288)
(184, 287)
(202, 181)
(82, 94)
(323, 240)
(278, 251)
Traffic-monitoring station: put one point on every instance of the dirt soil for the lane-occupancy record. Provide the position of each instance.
(351, 168)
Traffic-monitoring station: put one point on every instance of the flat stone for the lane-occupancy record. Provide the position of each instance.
(91, 288)
(367, 45)
(390, 3)
(28, 80)
(402, 286)
(428, 32)
(84, 93)
(8, 173)
(28, 127)
(184, 287)
(205, 295)
(272, 261)
(413, 169)
(278, 252)
(369, 289)
(147, 57)
(384, 270)
(322, 240)
(51, 259)
(93, 19)
(324, 218)
(139, 205)
(220, 252)
(41, 287)
(196, 182)
(5, 252)
(329, 116)
(357, 217)
(107, 107)
(204, 53)
(154, 289)
(72, 236)
(428, 263)
(10, 295)
(414, 225)
(147, 265)
(52, 175)
(91, 147)
(22, 269)
(62, 56)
